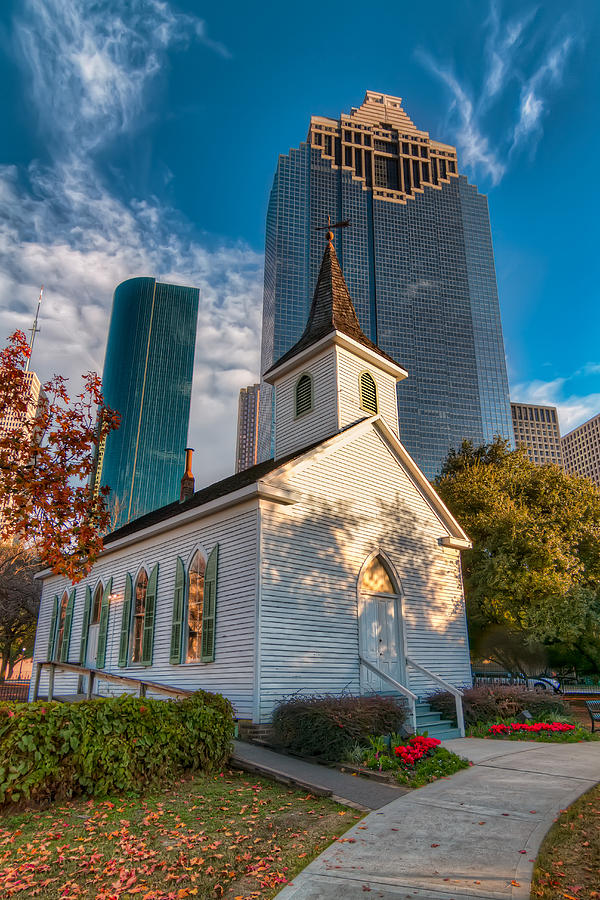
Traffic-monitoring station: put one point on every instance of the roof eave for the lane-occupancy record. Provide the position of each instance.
(342, 340)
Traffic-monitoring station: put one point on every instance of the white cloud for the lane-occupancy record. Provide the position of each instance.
(90, 70)
(90, 66)
(514, 56)
(533, 103)
(573, 408)
(473, 146)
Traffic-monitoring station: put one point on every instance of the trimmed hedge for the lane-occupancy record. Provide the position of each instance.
(328, 726)
(487, 703)
(96, 747)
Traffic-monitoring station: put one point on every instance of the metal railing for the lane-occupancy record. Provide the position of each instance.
(460, 719)
(100, 675)
(412, 698)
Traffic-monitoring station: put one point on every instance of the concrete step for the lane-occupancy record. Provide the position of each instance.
(446, 735)
(440, 725)
(430, 718)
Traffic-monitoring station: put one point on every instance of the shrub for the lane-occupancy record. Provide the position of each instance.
(486, 703)
(439, 765)
(124, 744)
(328, 726)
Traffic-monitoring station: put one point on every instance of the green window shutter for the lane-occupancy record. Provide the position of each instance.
(87, 609)
(52, 635)
(125, 621)
(209, 613)
(103, 627)
(368, 393)
(177, 625)
(64, 650)
(149, 617)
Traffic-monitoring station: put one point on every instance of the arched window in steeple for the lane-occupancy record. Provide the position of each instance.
(368, 393)
(304, 395)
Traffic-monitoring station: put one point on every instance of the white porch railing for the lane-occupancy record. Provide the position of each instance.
(412, 698)
(460, 719)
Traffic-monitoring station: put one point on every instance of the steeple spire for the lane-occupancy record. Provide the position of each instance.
(331, 310)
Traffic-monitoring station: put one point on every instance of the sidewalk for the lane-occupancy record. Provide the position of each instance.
(474, 835)
(363, 793)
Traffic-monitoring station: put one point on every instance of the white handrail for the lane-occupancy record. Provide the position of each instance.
(412, 698)
(460, 719)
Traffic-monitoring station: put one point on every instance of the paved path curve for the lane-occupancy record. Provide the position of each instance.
(460, 837)
(364, 793)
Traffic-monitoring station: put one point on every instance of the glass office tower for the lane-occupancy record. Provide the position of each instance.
(418, 261)
(148, 379)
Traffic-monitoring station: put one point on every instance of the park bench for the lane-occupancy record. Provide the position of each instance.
(593, 707)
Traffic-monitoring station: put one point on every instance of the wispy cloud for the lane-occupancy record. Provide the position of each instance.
(516, 57)
(573, 406)
(90, 66)
(91, 70)
(474, 147)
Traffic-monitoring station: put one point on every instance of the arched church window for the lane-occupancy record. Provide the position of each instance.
(60, 635)
(195, 607)
(139, 609)
(304, 395)
(376, 579)
(368, 393)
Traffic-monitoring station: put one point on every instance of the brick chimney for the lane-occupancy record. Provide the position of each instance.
(187, 482)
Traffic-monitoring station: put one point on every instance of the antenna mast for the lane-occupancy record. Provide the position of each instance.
(34, 328)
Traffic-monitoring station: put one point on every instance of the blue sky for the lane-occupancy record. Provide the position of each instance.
(141, 136)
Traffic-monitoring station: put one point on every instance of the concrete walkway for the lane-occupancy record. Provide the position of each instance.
(363, 793)
(474, 835)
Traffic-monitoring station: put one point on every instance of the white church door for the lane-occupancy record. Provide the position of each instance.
(381, 640)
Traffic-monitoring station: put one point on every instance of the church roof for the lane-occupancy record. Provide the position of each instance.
(211, 492)
(331, 310)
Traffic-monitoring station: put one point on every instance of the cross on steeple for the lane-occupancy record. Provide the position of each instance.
(345, 223)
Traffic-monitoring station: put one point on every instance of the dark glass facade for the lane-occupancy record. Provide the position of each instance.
(419, 264)
(148, 379)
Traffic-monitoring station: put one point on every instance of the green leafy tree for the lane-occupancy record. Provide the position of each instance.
(532, 579)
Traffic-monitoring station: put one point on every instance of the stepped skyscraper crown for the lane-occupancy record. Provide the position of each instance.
(418, 263)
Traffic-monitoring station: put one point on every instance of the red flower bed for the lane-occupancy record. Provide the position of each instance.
(536, 727)
(417, 748)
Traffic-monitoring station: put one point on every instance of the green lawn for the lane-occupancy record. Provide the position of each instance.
(568, 864)
(230, 835)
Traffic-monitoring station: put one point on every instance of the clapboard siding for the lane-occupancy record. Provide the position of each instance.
(232, 672)
(350, 367)
(321, 422)
(355, 499)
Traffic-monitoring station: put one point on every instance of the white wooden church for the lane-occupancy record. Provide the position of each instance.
(332, 567)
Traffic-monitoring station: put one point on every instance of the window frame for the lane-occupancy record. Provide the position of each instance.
(305, 412)
(130, 660)
(186, 608)
(360, 393)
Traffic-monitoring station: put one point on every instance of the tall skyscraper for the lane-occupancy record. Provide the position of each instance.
(581, 450)
(247, 429)
(536, 429)
(147, 378)
(418, 261)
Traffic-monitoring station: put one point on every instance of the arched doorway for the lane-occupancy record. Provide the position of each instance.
(381, 638)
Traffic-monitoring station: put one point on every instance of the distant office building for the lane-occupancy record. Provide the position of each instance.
(581, 450)
(536, 429)
(148, 379)
(12, 419)
(418, 261)
(247, 428)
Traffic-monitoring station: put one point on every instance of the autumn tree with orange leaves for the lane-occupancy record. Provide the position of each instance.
(46, 457)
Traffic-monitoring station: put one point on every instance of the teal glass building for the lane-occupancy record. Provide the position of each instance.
(147, 378)
(418, 261)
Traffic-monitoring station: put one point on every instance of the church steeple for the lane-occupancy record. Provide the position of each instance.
(331, 310)
(334, 375)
